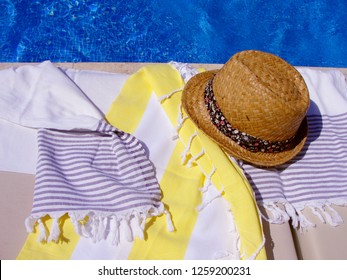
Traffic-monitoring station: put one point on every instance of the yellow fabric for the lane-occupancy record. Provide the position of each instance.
(239, 193)
(127, 110)
(163, 79)
(33, 250)
(180, 192)
(180, 186)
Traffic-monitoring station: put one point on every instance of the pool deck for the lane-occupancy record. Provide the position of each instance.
(118, 67)
(131, 67)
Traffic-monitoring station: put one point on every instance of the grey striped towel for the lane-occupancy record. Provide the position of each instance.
(102, 179)
(316, 179)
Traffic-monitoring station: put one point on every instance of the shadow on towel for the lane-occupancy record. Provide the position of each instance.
(315, 126)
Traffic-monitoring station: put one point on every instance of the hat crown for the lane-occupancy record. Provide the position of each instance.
(262, 95)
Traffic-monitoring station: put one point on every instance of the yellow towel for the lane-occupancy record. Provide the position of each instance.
(165, 81)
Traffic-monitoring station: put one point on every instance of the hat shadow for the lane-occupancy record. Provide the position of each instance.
(315, 126)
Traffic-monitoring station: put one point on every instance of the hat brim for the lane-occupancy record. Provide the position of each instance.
(194, 105)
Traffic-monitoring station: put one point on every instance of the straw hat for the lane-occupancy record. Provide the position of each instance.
(254, 107)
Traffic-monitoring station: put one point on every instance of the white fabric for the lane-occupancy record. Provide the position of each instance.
(327, 91)
(43, 97)
(18, 148)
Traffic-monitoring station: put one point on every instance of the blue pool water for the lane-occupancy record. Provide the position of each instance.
(310, 32)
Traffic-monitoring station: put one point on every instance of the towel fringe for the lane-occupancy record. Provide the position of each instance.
(186, 71)
(195, 158)
(234, 251)
(126, 230)
(137, 224)
(208, 180)
(167, 96)
(43, 231)
(113, 236)
(78, 225)
(206, 200)
(295, 216)
(304, 223)
(29, 224)
(55, 231)
(178, 127)
(279, 216)
(336, 217)
(180, 121)
(100, 226)
(315, 211)
(226, 255)
(186, 151)
(283, 211)
(180, 118)
(101, 229)
(92, 227)
(169, 222)
(256, 253)
(326, 214)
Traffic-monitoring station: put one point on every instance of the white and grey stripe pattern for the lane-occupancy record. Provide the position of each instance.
(102, 173)
(316, 178)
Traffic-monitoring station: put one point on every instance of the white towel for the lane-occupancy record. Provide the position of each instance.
(43, 97)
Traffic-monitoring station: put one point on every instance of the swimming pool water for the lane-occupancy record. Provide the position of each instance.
(310, 33)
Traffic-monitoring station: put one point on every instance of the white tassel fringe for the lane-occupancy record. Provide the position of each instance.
(283, 211)
(100, 227)
(167, 96)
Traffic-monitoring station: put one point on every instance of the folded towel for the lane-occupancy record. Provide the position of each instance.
(101, 178)
(317, 177)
